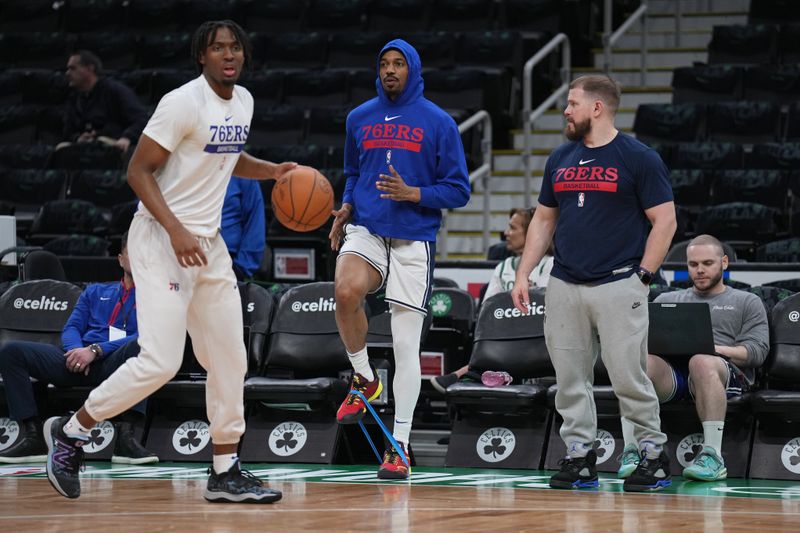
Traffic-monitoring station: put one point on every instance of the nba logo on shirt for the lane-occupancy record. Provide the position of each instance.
(580, 199)
(388, 156)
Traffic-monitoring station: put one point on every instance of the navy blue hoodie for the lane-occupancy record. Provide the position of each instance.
(423, 145)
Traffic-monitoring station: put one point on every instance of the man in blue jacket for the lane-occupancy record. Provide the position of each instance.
(243, 226)
(98, 337)
(404, 162)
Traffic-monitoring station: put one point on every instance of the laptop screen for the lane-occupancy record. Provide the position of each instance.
(680, 329)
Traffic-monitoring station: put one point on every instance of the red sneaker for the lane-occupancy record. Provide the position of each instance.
(393, 466)
(352, 409)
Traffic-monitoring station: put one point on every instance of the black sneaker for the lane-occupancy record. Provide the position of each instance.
(29, 448)
(238, 486)
(441, 383)
(576, 473)
(650, 475)
(128, 450)
(64, 457)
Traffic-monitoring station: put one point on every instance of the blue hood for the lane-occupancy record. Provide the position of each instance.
(414, 86)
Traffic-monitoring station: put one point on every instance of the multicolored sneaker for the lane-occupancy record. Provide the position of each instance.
(238, 486)
(628, 461)
(352, 409)
(707, 466)
(64, 457)
(393, 466)
(650, 475)
(576, 473)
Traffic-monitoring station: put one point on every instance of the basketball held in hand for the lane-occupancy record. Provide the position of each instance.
(302, 199)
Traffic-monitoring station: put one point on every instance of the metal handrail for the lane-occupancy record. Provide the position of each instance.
(528, 116)
(610, 39)
(484, 172)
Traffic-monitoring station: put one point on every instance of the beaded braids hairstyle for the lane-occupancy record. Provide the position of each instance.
(207, 32)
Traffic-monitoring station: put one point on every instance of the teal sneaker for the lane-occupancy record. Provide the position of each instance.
(628, 461)
(708, 466)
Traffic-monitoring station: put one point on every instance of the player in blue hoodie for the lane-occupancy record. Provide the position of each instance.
(404, 162)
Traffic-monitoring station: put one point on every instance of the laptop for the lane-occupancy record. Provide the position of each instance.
(680, 329)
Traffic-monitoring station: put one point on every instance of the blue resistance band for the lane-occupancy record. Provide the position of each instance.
(386, 432)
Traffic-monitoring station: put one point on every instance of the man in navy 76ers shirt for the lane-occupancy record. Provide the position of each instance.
(601, 193)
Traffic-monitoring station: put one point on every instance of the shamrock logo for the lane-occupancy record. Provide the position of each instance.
(599, 449)
(441, 303)
(191, 439)
(96, 438)
(794, 460)
(692, 454)
(3, 437)
(496, 448)
(287, 441)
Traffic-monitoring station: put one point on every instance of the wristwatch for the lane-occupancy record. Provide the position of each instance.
(96, 350)
(645, 275)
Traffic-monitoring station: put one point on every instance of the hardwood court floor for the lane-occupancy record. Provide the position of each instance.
(336, 498)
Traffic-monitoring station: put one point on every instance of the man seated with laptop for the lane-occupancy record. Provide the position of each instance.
(740, 345)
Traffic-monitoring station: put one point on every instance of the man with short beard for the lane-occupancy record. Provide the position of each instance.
(741, 333)
(600, 195)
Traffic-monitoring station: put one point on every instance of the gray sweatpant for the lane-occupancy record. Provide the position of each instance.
(617, 312)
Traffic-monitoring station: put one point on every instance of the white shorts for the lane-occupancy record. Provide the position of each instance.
(406, 267)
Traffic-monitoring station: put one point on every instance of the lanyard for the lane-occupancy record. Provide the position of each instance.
(123, 297)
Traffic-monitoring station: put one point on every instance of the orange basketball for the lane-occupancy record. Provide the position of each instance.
(302, 199)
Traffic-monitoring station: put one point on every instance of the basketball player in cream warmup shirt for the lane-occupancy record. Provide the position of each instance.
(184, 277)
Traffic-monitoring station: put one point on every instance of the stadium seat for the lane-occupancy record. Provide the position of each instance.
(768, 187)
(436, 48)
(743, 122)
(274, 16)
(195, 12)
(774, 155)
(337, 15)
(326, 125)
(464, 15)
(389, 15)
(154, 16)
(739, 221)
(783, 251)
(773, 12)
(42, 49)
(452, 321)
(459, 88)
(50, 125)
(28, 188)
(775, 406)
(792, 285)
(266, 86)
(769, 295)
(78, 245)
(277, 124)
(304, 359)
(165, 80)
(356, 49)
(46, 305)
(18, 123)
(296, 50)
(41, 264)
(779, 84)
(690, 186)
(750, 43)
(706, 83)
(117, 49)
(81, 156)
(537, 15)
(25, 155)
(708, 155)
(669, 122)
(65, 217)
(30, 15)
(89, 15)
(788, 47)
(44, 86)
(121, 217)
(316, 88)
(793, 122)
(165, 50)
(104, 188)
(139, 81)
(496, 49)
(305, 154)
(503, 427)
(361, 85)
(11, 86)
(179, 406)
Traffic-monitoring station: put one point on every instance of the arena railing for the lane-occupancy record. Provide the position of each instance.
(610, 39)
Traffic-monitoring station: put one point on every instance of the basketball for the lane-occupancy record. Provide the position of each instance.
(302, 199)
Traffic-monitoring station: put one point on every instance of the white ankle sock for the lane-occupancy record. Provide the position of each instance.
(224, 462)
(712, 434)
(402, 431)
(578, 449)
(74, 429)
(650, 449)
(360, 362)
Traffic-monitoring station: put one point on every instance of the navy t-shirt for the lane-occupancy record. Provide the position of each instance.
(601, 194)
